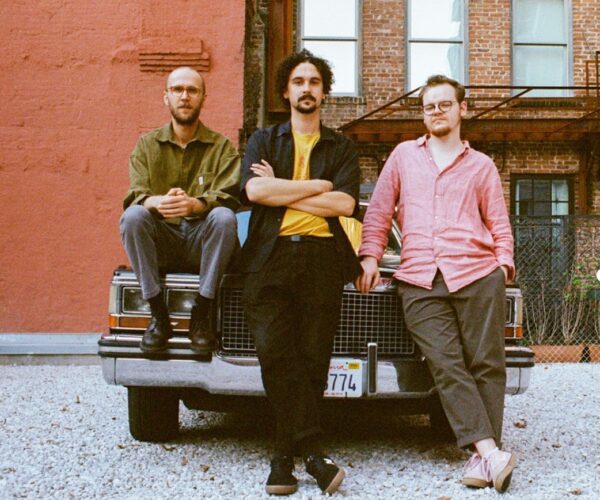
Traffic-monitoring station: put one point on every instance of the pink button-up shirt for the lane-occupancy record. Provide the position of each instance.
(455, 220)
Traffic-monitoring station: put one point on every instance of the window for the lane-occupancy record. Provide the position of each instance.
(329, 29)
(540, 45)
(544, 244)
(541, 196)
(436, 40)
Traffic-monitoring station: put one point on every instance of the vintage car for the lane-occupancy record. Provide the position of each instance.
(375, 362)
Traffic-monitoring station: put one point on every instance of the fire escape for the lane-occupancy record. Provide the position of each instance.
(502, 114)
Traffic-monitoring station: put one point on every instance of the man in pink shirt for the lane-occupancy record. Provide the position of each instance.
(457, 255)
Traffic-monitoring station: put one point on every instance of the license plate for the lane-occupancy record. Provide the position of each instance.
(345, 379)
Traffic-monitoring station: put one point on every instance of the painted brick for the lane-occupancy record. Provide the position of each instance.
(73, 103)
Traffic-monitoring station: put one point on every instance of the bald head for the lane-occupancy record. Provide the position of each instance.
(184, 95)
(187, 74)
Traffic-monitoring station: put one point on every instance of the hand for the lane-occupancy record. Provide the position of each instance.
(326, 186)
(176, 203)
(369, 277)
(262, 169)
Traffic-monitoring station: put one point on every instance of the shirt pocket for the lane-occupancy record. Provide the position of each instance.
(203, 181)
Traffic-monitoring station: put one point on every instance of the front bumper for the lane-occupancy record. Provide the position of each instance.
(399, 378)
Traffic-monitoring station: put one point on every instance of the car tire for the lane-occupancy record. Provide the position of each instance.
(439, 421)
(153, 413)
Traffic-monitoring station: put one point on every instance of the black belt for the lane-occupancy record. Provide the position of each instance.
(300, 238)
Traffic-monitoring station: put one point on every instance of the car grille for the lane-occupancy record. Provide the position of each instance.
(374, 317)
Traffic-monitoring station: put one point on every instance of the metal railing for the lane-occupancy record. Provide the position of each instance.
(557, 259)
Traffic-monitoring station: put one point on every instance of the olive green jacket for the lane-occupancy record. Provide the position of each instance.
(208, 168)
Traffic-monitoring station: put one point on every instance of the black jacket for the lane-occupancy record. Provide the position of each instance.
(333, 158)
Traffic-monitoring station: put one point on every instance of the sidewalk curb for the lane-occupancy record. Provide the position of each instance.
(49, 348)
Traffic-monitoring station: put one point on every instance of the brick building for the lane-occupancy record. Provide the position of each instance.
(531, 68)
(81, 80)
(545, 139)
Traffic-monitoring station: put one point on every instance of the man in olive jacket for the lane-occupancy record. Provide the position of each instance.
(179, 210)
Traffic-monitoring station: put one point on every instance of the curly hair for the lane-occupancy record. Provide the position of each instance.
(289, 64)
(435, 80)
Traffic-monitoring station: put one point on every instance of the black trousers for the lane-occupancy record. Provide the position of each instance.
(292, 307)
(461, 335)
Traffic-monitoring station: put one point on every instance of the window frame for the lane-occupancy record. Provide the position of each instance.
(410, 40)
(357, 39)
(570, 178)
(568, 19)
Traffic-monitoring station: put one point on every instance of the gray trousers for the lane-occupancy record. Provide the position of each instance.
(203, 246)
(461, 335)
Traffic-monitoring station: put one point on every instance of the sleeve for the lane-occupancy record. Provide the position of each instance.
(495, 217)
(256, 150)
(378, 219)
(139, 176)
(224, 188)
(346, 178)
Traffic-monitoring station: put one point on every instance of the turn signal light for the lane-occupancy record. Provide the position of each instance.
(513, 332)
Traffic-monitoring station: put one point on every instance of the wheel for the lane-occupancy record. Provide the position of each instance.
(439, 421)
(153, 413)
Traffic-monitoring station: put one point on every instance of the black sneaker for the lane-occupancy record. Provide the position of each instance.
(328, 475)
(281, 481)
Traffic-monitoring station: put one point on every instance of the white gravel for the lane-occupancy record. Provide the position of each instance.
(64, 434)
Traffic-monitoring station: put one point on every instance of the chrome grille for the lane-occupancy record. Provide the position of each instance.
(375, 317)
(235, 335)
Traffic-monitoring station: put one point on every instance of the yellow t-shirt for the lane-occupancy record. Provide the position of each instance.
(296, 221)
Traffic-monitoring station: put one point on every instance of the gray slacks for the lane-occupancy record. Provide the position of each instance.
(203, 246)
(461, 335)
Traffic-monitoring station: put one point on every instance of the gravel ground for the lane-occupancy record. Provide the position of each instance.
(64, 434)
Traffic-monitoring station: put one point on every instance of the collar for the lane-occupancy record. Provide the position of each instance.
(424, 139)
(203, 134)
(326, 133)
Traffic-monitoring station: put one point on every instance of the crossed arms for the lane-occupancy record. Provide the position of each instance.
(314, 196)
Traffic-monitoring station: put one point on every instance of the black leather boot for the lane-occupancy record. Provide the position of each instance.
(201, 334)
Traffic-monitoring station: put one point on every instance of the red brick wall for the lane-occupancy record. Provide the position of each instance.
(73, 104)
(489, 44)
(383, 50)
(586, 36)
(560, 158)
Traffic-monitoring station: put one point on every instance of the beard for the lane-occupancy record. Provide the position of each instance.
(306, 110)
(185, 119)
(441, 131)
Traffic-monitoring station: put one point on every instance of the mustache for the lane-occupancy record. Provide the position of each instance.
(308, 97)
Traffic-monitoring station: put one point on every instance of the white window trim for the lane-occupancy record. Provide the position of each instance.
(464, 41)
(357, 39)
(569, 45)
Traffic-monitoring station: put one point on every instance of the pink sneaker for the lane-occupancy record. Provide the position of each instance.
(474, 474)
(499, 466)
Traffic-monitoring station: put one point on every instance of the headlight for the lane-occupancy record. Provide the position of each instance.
(133, 301)
(181, 301)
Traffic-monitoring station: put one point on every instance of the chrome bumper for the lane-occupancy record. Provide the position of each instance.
(396, 378)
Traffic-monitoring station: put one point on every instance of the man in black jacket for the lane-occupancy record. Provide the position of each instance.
(299, 178)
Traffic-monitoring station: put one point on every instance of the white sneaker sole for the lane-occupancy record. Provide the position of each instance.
(502, 481)
(335, 482)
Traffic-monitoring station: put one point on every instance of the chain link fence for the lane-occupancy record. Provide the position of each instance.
(557, 260)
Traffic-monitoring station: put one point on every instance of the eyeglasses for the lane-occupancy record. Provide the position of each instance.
(443, 106)
(178, 91)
